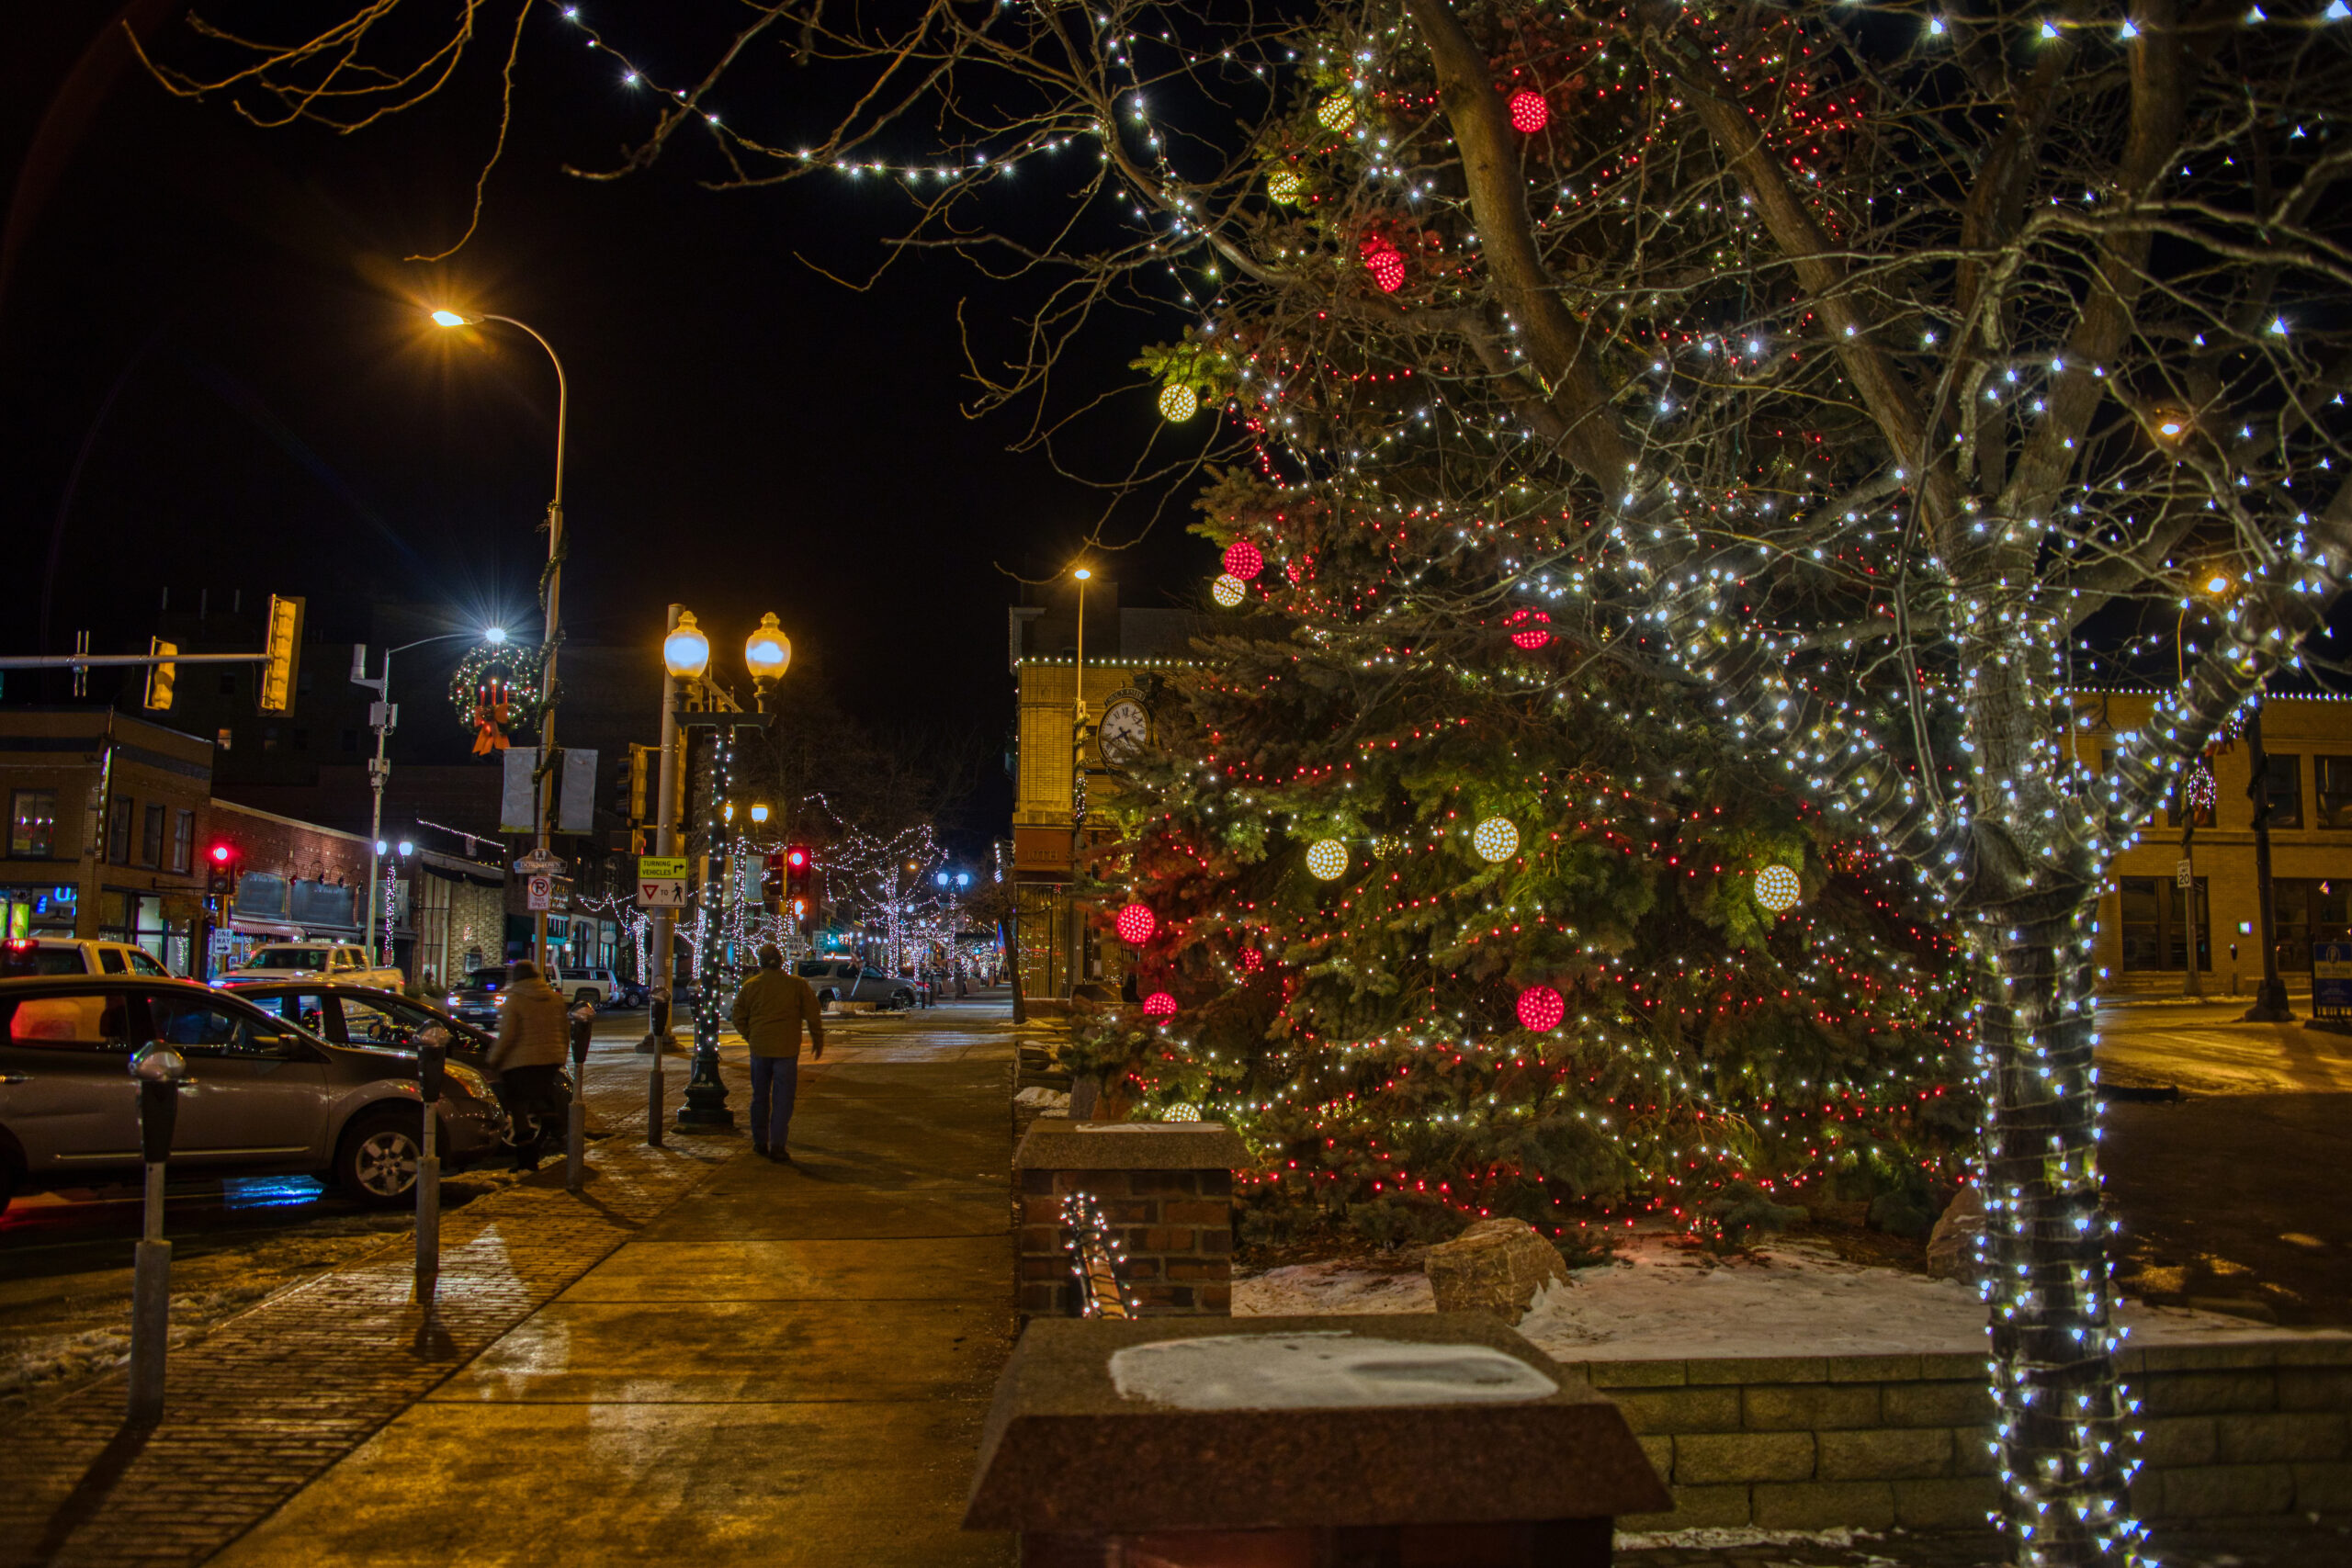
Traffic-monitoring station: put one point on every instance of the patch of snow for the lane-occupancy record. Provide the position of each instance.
(1659, 1302)
(1312, 1290)
(1036, 1094)
(1338, 1370)
(1732, 1540)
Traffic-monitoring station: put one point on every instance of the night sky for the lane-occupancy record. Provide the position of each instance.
(215, 323)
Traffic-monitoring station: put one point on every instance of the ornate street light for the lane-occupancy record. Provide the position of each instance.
(767, 652)
(685, 652)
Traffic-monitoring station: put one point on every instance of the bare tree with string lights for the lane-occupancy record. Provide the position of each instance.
(1842, 363)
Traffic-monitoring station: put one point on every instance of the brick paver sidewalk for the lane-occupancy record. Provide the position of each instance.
(270, 1399)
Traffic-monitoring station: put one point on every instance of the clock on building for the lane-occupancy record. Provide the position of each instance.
(1125, 732)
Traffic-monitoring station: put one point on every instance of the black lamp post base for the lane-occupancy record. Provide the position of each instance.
(2269, 1005)
(706, 1117)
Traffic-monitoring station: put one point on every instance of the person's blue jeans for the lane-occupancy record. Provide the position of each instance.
(775, 1081)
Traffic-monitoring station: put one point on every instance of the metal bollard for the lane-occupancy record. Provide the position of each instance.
(575, 1151)
(432, 1058)
(661, 1038)
(160, 1071)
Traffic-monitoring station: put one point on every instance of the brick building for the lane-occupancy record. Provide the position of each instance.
(105, 815)
(1129, 655)
(2145, 926)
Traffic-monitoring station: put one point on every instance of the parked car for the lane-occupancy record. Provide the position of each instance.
(631, 994)
(264, 1095)
(597, 988)
(362, 1015)
(847, 980)
(475, 999)
(339, 961)
(21, 956)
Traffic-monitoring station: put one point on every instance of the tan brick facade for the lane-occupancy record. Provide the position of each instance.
(2143, 924)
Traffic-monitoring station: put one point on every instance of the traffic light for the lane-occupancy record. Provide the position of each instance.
(281, 649)
(220, 869)
(772, 881)
(638, 758)
(160, 676)
(799, 871)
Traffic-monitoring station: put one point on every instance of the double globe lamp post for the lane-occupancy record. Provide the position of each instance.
(686, 659)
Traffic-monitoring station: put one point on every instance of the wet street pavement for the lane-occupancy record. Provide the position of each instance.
(2230, 1195)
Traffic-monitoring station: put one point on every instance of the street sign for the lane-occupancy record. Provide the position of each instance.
(662, 868)
(2331, 978)
(660, 892)
(2183, 874)
(539, 863)
(542, 893)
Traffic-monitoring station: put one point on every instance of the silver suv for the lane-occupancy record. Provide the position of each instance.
(264, 1096)
(847, 980)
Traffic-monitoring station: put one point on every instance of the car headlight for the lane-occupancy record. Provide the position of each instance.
(452, 1001)
(475, 1084)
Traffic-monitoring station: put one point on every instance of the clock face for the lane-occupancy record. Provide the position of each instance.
(1126, 731)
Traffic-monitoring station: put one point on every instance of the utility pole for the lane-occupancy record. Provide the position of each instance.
(2270, 1002)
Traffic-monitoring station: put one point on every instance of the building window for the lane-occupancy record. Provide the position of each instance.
(32, 824)
(2334, 777)
(2283, 783)
(118, 830)
(269, 738)
(2155, 924)
(183, 843)
(150, 835)
(2306, 909)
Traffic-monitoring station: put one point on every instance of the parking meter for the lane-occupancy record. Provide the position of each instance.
(584, 1023)
(432, 1081)
(159, 1072)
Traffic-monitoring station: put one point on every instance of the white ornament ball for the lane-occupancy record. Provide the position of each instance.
(1178, 402)
(1337, 113)
(1779, 888)
(1496, 839)
(1285, 185)
(1229, 590)
(1327, 859)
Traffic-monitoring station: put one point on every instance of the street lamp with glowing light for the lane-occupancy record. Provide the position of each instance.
(767, 651)
(451, 319)
(759, 813)
(685, 652)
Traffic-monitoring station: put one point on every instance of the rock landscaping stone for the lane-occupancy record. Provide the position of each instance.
(1951, 1245)
(1496, 1266)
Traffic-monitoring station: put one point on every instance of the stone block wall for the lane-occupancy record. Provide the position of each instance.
(2233, 1429)
(1175, 1225)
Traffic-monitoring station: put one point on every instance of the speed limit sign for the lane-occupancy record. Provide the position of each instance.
(542, 893)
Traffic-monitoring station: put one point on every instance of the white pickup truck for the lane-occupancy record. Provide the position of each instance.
(342, 962)
(26, 956)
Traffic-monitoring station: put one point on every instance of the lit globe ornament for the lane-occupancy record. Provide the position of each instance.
(1529, 112)
(1387, 267)
(1159, 1004)
(1327, 859)
(1496, 839)
(1531, 634)
(1778, 888)
(1243, 560)
(1178, 402)
(1136, 923)
(1229, 590)
(1285, 186)
(1541, 1008)
(1253, 961)
(1337, 113)
(1180, 1112)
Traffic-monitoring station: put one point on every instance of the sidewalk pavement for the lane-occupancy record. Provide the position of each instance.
(789, 1366)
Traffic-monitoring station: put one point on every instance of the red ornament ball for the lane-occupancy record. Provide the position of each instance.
(1136, 923)
(1242, 559)
(1253, 961)
(1541, 1008)
(1529, 112)
(1532, 635)
(1387, 268)
(1159, 1004)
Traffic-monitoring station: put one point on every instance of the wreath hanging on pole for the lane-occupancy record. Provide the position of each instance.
(495, 688)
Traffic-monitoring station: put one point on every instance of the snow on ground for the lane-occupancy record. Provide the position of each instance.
(1662, 1302)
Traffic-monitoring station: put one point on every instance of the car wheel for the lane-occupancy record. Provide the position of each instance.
(903, 999)
(376, 1162)
(827, 996)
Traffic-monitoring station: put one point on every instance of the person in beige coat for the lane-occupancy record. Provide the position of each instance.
(769, 1013)
(526, 1064)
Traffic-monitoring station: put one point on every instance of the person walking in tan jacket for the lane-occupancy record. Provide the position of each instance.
(769, 1012)
(526, 1064)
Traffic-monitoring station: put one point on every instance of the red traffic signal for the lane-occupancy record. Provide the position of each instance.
(222, 854)
(799, 869)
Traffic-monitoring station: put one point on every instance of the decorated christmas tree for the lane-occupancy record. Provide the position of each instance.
(1512, 932)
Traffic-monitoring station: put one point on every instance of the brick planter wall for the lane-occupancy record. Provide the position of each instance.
(2236, 1429)
(1167, 1192)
